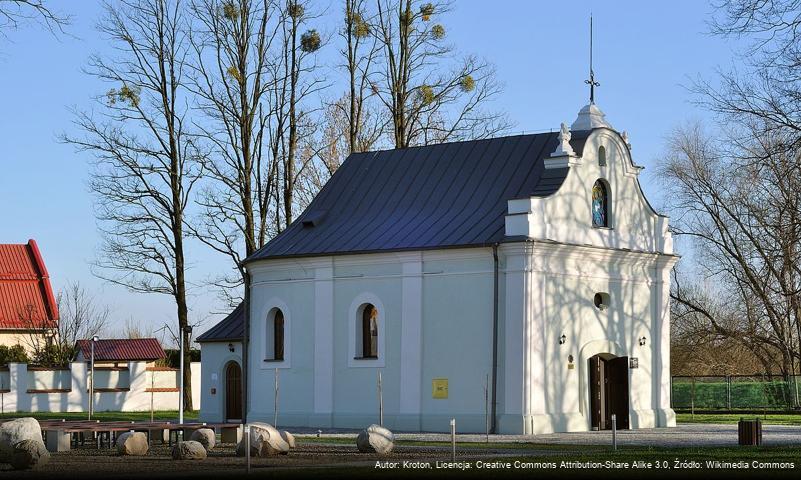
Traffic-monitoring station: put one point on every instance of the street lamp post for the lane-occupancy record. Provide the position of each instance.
(92, 376)
(188, 331)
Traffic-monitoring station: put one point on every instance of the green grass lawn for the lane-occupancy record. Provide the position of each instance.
(627, 462)
(768, 419)
(106, 416)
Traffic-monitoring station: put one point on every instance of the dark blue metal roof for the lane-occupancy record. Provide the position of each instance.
(230, 328)
(436, 196)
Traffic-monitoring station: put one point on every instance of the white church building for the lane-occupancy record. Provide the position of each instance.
(521, 281)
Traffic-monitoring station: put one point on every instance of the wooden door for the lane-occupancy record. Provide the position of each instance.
(233, 391)
(597, 415)
(618, 375)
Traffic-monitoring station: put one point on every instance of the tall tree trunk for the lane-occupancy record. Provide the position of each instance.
(289, 172)
(353, 125)
(183, 318)
(143, 172)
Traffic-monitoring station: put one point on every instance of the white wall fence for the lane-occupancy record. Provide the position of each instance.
(132, 388)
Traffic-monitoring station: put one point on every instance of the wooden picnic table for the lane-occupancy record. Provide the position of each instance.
(59, 434)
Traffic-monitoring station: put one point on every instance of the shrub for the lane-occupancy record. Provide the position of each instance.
(173, 359)
(14, 354)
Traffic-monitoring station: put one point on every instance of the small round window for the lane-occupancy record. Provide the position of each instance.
(601, 300)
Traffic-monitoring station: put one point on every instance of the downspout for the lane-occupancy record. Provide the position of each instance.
(246, 349)
(494, 423)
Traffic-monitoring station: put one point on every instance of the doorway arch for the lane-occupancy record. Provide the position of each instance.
(233, 391)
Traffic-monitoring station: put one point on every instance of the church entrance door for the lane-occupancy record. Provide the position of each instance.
(609, 391)
(233, 392)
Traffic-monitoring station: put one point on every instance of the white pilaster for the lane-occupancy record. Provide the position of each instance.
(17, 400)
(540, 385)
(661, 338)
(139, 382)
(411, 333)
(79, 385)
(324, 337)
(518, 336)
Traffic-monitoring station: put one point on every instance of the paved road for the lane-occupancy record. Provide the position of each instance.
(684, 435)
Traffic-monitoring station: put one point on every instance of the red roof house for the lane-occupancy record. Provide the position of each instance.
(26, 297)
(122, 350)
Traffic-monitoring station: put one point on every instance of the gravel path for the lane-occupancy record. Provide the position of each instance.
(683, 435)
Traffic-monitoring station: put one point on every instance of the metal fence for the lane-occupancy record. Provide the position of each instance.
(735, 392)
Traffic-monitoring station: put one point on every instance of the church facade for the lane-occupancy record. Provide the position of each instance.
(518, 282)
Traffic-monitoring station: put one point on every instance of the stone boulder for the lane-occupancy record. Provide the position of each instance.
(288, 438)
(265, 440)
(132, 443)
(204, 436)
(375, 439)
(29, 454)
(14, 431)
(188, 450)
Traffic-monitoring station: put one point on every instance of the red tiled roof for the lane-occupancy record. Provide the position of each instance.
(120, 350)
(26, 298)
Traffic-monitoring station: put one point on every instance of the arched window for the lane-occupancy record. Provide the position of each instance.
(600, 204)
(601, 156)
(278, 335)
(275, 341)
(369, 331)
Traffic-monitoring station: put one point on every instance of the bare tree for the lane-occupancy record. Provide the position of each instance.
(134, 329)
(738, 191)
(80, 317)
(429, 99)
(711, 334)
(767, 87)
(297, 82)
(15, 12)
(360, 52)
(232, 78)
(325, 144)
(741, 217)
(145, 164)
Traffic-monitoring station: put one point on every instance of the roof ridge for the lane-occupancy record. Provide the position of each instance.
(47, 290)
(485, 139)
(24, 284)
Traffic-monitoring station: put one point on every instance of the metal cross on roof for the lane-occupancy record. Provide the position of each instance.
(591, 81)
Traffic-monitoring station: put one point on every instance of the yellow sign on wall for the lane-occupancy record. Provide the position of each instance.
(439, 388)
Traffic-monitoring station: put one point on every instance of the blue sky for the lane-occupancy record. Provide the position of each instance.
(645, 55)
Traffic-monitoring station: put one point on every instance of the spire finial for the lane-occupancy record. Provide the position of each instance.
(591, 81)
